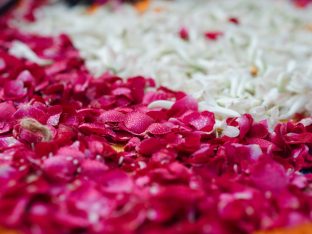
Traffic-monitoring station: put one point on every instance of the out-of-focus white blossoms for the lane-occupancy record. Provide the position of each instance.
(261, 64)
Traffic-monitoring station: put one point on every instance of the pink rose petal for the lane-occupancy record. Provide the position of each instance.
(137, 122)
(158, 129)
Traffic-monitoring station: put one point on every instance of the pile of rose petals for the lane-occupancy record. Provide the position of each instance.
(62, 170)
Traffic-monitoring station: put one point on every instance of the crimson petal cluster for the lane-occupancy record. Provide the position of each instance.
(62, 170)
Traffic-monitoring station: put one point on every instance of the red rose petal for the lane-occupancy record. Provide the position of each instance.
(182, 105)
(213, 35)
(184, 34)
(14, 90)
(233, 20)
(111, 116)
(92, 168)
(116, 181)
(158, 129)
(203, 121)
(269, 175)
(137, 122)
(59, 167)
(149, 146)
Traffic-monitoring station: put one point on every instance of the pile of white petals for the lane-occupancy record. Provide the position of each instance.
(262, 66)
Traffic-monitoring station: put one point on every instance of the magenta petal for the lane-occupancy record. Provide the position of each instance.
(117, 181)
(17, 213)
(137, 86)
(233, 209)
(90, 128)
(241, 152)
(2, 64)
(7, 142)
(99, 146)
(14, 90)
(153, 96)
(132, 143)
(7, 110)
(111, 116)
(213, 35)
(137, 122)
(200, 121)
(54, 113)
(38, 213)
(299, 180)
(122, 91)
(92, 168)
(234, 20)
(265, 145)
(54, 119)
(59, 167)
(300, 156)
(91, 202)
(149, 146)
(70, 152)
(7, 172)
(27, 110)
(6, 116)
(301, 138)
(158, 129)
(182, 105)
(269, 175)
(192, 142)
(70, 221)
(203, 154)
(4, 127)
(245, 123)
(26, 76)
(87, 114)
(259, 130)
(184, 34)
